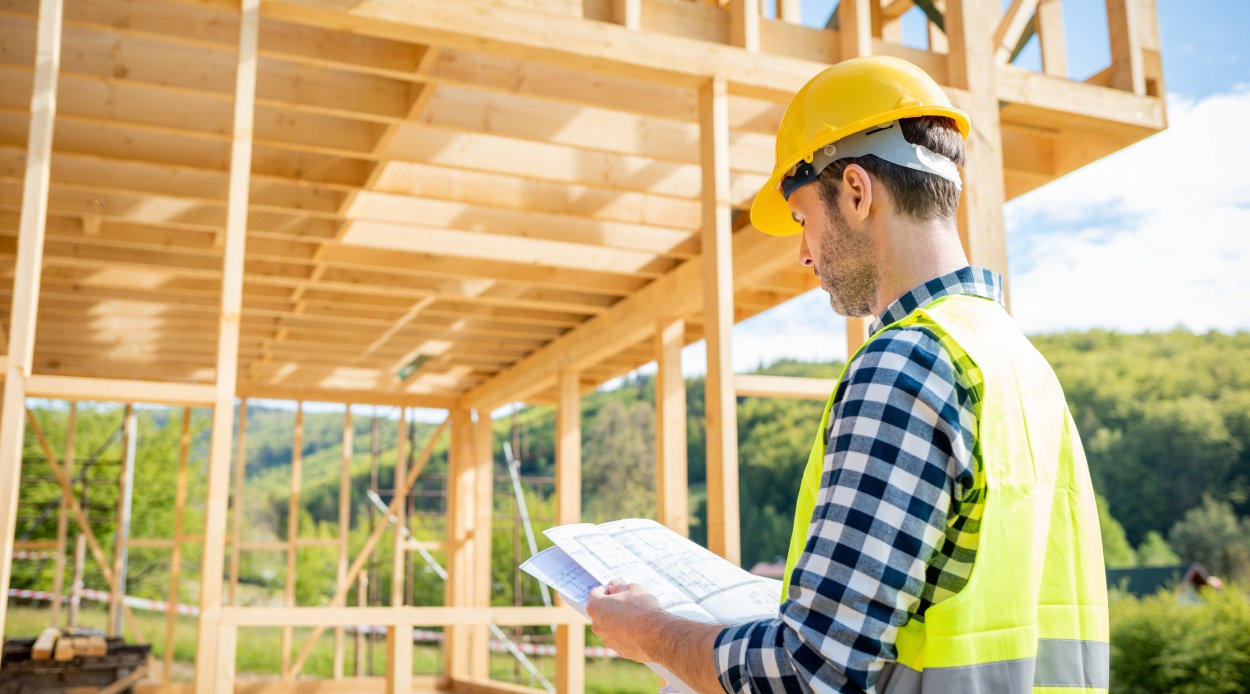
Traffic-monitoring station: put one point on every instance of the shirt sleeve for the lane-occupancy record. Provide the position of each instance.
(898, 449)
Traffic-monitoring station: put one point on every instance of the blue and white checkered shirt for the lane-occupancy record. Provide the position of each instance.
(897, 517)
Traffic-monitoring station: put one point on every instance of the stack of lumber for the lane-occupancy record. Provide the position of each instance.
(55, 644)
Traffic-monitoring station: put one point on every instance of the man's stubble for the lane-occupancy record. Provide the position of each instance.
(846, 269)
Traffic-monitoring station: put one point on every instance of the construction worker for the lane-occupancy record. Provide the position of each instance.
(945, 537)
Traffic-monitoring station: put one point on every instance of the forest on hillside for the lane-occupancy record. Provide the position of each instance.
(1165, 419)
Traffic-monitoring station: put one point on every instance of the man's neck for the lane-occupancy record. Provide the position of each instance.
(909, 254)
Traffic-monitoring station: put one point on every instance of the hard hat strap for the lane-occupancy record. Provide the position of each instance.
(885, 141)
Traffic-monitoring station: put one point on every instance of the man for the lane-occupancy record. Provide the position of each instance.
(945, 536)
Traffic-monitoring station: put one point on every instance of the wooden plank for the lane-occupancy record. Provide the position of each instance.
(483, 507)
(236, 502)
(718, 318)
(292, 532)
(1123, 28)
(399, 641)
(64, 649)
(855, 32)
(627, 13)
(214, 671)
(672, 504)
(399, 659)
(456, 643)
(25, 304)
(116, 390)
(744, 24)
(1050, 37)
(125, 504)
(1011, 27)
(44, 644)
(387, 616)
(784, 387)
(344, 547)
(175, 560)
(856, 333)
(62, 520)
(570, 638)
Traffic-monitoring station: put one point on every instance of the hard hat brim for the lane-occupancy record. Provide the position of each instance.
(769, 211)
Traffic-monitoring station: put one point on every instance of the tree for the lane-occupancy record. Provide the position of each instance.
(618, 462)
(1211, 535)
(1155, 551)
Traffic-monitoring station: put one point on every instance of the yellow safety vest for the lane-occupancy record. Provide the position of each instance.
(1033, 615)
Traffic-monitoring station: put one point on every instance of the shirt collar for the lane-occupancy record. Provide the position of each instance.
(972, 281)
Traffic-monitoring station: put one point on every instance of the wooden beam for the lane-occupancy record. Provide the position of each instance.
(972, 68)
(236, 503)
(399, 637)
(125, 504)
(62, 520)
(385, 616)
(856, 334)
(208, 658)
(345, 520)
(1010, 29)
(483, 507)
(718, 318)
(790, 11)
(25, 304)
(1123, 27)
(292, 533)
(175, 561)
(672, 503)
(744, 24)
(116, 390)
(855, 33)
(456, 642)
(1050, 37)
(627, 13)
(785, 387)
(570, 638)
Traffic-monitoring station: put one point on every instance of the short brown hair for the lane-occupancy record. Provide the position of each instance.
(918, 194)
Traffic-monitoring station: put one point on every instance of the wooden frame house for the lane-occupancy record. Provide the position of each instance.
(454, 204)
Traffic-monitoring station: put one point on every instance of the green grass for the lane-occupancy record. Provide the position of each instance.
(260, 652)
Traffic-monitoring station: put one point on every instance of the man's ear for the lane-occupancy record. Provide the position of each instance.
(858, 193)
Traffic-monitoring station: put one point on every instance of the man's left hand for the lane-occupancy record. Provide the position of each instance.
(621, 614)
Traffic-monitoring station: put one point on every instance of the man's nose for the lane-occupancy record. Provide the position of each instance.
(805, 255)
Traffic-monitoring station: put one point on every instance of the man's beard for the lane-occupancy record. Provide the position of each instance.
(846, 269)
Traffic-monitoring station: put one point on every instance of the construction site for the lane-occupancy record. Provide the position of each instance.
(410, 215)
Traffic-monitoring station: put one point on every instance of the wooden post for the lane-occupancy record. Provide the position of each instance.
(718, 319)
(790, 11)
(627, 13)
(570, 640)
(62, 521)
(672, 504)
(345, 520)
(1123, 28)
(362, 600)
(971, 67)
(459, 551)
(76, 585)
(744, 24)
(938, 42)
(399, 642)
(292, 534)
(483, 486)
(222, 675)
(208, 659)
(25, 303)
(236, 503)
(125, 502)
(175, 561)
(1051, 39)
(856, 334)
(855, 28)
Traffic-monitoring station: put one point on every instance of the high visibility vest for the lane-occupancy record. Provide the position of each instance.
(1033, 615)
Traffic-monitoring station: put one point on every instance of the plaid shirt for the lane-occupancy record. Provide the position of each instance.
(897, 517)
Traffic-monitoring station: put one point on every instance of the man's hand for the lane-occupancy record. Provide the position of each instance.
(621, 615)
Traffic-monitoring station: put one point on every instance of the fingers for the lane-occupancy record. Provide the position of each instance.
(616, 585)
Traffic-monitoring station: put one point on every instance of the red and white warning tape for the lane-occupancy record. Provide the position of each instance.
(418, 635)
(26, 554)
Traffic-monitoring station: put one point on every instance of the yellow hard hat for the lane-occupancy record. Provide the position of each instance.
(842, 100)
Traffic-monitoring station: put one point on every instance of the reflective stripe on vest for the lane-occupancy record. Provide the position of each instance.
(1081, 665)
(1033, 614)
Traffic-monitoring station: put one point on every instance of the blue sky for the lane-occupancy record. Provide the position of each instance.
(1153, 237)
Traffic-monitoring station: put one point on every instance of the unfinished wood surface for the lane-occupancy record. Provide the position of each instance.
(570, 639)
(857, 333)
(399, 637)
(292, 532)
(1011, 27)
(62, 519)
(344, 548)
(456, 641)
(125, 504)
(718, 318)
(214, 669)
(1123, 27)
(785, 387)
(175, 560)
(855, 33)
(483, 511)
(25, 298)
(1050, 37)
(236, 503)
(672, 502)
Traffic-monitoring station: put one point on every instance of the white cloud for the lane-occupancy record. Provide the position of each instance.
(1152, 237)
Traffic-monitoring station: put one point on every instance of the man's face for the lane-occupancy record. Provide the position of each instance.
(840, 255)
